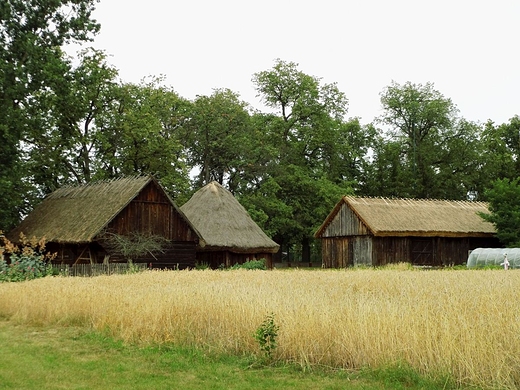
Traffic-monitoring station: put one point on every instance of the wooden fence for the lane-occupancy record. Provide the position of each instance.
(298, 264)
(98, 269)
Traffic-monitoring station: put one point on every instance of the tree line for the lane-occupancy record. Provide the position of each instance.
(73, 121)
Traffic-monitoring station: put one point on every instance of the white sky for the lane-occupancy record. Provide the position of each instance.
(468, 49)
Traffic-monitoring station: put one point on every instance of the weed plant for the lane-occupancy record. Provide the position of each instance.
(28, 260)
(266, 335)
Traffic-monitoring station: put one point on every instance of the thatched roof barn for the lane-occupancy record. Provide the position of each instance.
(378, 231)
(230, 235)
(76, 222)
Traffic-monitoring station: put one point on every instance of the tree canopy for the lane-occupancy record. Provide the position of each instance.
(31, 63)
(504, 207)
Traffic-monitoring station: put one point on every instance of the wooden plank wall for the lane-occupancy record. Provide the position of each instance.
(152, 213)
(335, 252)
(345, 223)
(340, 252)
(388, 250)
(362, 250)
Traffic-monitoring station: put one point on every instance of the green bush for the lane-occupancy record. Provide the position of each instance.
(251, 264)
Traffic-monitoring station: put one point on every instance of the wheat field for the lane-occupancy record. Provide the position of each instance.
(460, 323)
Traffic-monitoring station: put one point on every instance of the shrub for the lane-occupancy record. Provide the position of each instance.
(251, 264)
(28, 260)
(202, 266)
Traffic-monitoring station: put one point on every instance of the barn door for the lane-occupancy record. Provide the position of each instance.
(422, 252)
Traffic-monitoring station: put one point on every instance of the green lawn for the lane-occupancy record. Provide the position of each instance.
(75, 358)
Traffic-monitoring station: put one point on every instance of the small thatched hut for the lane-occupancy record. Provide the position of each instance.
(78, 221)
(230, 235)
(378, 231)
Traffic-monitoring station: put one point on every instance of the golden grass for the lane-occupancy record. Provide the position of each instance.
(466, 323)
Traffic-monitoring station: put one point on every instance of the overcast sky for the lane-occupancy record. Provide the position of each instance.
(468, 49)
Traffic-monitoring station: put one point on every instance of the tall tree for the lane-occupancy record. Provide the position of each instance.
(31, 34)
(71, 115)
(502, 151)
(142, 133)
(219, 137)
(504, 207)
(304, 132)
(435, 145)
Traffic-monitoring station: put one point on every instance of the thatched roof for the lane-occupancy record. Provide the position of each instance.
(77, 214)
(224, 223)
(416, 217)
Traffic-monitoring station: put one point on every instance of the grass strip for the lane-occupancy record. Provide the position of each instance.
(51, 357)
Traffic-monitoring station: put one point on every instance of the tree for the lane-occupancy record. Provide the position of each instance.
(504, 207)
(70, 115)
(31, 34)
(436, 150)
(219, 137)
(386, 174)
(306, 110)
(501, 158)
(306, 136)
(142, 133)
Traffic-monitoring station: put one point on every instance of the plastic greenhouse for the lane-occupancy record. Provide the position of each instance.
(481, 257)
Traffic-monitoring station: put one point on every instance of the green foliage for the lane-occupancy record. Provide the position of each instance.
(313, 154)
(27, 261)
(70, 117)
(403, 376)
(251, 264)
(266, 335)
(31, 63)
(488, 267)
(427, 151)
(202, 266)
(219, 137)
(504, 207)
(143, 133)
(501, 156)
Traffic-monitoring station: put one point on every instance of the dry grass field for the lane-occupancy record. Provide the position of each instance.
(465, 324)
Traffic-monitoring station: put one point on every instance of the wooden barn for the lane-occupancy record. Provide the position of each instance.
(378, 231)
(230, 235)
(78, 223)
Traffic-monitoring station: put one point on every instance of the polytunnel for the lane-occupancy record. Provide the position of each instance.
(481, 257)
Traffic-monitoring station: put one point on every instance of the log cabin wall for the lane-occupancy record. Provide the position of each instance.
(362, 253)
(346, 241)
(427, 251)
(421, 251)
(341, 252)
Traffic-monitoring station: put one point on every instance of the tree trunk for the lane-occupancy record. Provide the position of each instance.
(306, 250)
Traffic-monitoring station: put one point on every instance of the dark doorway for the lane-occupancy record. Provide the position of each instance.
(422, 252)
